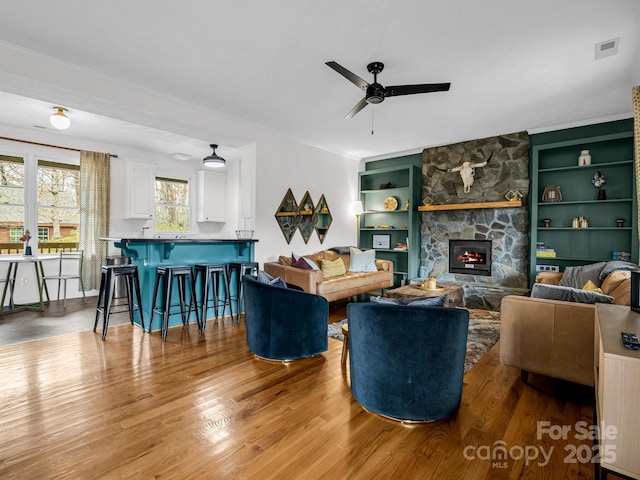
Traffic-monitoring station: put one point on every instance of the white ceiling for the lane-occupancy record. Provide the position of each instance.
(513, 65)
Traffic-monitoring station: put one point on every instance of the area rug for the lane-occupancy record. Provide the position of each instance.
(484, 332)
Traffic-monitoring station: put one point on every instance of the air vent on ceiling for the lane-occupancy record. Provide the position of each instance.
(608, 48)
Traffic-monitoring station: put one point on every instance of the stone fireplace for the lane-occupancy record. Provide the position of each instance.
(505, 229)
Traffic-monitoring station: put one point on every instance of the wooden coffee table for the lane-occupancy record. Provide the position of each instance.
(453, 293)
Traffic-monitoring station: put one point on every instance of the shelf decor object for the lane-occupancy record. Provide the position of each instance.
(552, 194)
(390, 203)
(381, 241)
(584, 159)
(513, 195)
(598, 181)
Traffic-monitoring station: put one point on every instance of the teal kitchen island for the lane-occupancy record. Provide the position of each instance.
(149, 253)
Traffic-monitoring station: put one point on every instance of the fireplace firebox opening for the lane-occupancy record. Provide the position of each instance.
(471, 257)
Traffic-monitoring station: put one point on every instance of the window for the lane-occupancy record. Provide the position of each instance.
(172, 205)
(15, 234)
(43, 234)
(11, 198)
(59, 202)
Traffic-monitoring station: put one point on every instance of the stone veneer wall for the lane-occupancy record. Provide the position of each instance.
(508, 228)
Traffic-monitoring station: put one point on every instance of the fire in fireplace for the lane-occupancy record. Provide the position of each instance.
(471, 257)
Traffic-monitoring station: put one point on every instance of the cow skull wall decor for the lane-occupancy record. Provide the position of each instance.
(467, 172)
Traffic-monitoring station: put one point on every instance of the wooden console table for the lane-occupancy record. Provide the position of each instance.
(453, 293)
(617, 381)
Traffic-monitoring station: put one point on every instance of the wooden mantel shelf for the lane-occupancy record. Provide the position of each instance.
(470, 206)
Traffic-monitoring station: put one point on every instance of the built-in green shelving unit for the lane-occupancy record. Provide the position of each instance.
(556, 163)
(399, 226)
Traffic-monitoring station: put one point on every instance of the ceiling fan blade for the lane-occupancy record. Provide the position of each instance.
(352, 77)
(359, 106)
(413, 89)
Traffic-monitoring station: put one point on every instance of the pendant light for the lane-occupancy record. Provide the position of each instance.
(59, 120)
(214, 160)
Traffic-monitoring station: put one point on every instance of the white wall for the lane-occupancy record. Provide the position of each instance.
(282, 165)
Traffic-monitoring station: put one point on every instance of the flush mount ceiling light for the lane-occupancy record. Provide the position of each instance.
(214, 160)
(58, 118)
(181, 157)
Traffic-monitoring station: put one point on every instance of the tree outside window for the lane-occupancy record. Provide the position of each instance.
(59, 202)
(11, 198)
(172, 205)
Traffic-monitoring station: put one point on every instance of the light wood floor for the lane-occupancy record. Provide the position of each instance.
(201, 407)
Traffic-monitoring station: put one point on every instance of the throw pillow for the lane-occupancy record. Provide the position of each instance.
(622, 293)
(576, 277)
(568, 294)
(591, 287)
(412, 301)
(303, 262)
(282, 260)
(362, 261)
(333, 268)
(264, 277)
(300, 263)
(615, 279)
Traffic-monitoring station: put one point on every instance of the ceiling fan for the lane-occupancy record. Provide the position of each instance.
(376, 93)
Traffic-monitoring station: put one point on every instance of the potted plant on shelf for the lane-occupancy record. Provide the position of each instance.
(598, 181)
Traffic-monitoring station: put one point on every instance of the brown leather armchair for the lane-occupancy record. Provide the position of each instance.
(554, 337)
(549, 337)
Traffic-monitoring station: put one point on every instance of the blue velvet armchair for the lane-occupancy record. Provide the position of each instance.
(407, 363)
(282, 323)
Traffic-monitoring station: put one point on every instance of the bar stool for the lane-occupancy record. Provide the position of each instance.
(108, 276)
(241, 269)
(210, 275)
(166, 275)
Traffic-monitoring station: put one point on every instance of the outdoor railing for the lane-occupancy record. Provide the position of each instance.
(43, 247)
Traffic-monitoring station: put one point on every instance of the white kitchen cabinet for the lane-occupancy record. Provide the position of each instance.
(211, 196)
(140, 183)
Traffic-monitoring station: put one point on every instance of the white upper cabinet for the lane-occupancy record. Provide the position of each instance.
(211, 196)
(140, 190)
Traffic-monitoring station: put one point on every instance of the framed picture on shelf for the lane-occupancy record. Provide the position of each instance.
(381, 241)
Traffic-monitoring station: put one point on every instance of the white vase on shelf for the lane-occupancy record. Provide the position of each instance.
(584, 158)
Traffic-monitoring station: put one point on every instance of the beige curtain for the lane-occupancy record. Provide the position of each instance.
(636, 136)
(94, 214)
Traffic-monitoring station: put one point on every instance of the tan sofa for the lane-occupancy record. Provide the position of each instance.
(334, 288)
(553, 337)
